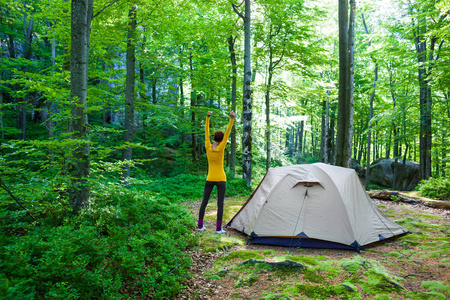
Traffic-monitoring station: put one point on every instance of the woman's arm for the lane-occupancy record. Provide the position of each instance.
(207, 138)
(230, 125)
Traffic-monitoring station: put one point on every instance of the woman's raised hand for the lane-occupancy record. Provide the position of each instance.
(209, 113)
(232, 114)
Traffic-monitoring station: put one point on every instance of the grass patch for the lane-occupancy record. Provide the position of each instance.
(213, 242)
(359, 276)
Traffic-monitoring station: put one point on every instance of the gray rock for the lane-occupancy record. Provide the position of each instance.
(382, 172)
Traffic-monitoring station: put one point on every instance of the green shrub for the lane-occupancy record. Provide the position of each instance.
(126, 242)
(190, 187)
(130, 240)
(435, 188)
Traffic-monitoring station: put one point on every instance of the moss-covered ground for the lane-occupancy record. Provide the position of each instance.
(412, 266)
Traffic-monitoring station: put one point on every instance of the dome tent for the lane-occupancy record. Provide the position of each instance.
(313, 205)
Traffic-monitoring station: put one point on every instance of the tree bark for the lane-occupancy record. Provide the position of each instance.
(247, 100)
(27, 52)
(350, 83)
(267, 103)
(231, 43)
(396, 196)
(81, 14)
(247, 96)
(2, 133)
(372, 96)
(129, 92)
(344, 102)
(420, 31)
(193, 135)
(332, 134)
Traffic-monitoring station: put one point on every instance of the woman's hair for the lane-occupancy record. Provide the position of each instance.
(218, 136)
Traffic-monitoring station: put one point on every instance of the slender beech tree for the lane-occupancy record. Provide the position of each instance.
(325, 125)
(372, 96)
(193, 104)
(81, 16)
(129, 90)
(273, 62)
(2, 131)
(247, 96)
(27, 53)
(231, 48)
(425, 42)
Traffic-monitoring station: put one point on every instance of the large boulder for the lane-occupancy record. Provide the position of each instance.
(382, 172)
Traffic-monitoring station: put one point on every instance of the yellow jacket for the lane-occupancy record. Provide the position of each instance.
(215, 157)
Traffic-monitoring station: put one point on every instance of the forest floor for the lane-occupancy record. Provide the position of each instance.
(412, 266)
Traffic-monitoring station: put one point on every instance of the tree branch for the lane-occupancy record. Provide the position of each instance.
(3, 186)
(235, 7)
(101, 10)
(439, 49)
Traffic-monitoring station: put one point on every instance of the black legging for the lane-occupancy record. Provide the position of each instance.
(221, 187)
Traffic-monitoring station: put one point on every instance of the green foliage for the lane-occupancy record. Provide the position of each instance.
(126, 241)
(437, 287)
(435, 188)
(185, 187)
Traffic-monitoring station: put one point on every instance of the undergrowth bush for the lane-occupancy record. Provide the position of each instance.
(127, 241)
(130, 242)
(435, 188)
(185, 187)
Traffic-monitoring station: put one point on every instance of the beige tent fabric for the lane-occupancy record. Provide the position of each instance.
(317, 200)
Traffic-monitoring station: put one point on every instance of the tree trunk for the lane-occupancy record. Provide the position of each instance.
(193, 135)
(50, 105)
(331, 145)
(372, 96)
(231, 42)
(388, 195)
(344, 127)
(325, 125)
(267, 103)
(247, 100)
(27, 52)
(181, 85)
(297, 133)
(420, 39)
(300, 138)
(369, 134)
(81, 14)
(129, 92)
(350, 83)
(444, 155)
(322, 131)
(2, 133)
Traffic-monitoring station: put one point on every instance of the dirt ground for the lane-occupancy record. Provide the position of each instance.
(414, 265)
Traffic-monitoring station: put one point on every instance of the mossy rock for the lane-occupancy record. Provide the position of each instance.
(325, 291)
(240, 254)
(313, 276)
(310, 260)
(436, 286)
(382, 297)
(247, 281)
